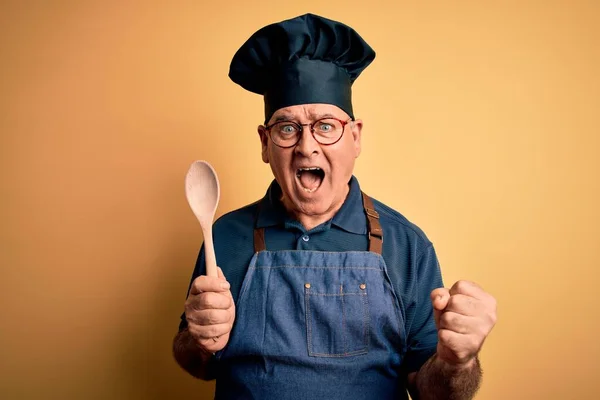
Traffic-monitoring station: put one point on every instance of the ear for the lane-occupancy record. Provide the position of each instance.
(264, 142)
(356, 135)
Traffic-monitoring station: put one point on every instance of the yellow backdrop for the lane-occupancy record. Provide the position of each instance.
(481, 126)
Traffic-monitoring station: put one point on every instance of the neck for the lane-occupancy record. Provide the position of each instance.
(310, 219)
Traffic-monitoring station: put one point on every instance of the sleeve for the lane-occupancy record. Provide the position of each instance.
(198, 270)
(422, 334)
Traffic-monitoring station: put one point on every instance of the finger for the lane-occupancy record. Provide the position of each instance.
(200, 332)
(209, 300)
(465, 305)
(462, 347)
(209, 317)
(457, 323)
(439, 300)
(205, 283)
(467, 288)
(214, 344)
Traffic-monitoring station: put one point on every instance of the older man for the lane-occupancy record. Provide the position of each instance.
(329, 293)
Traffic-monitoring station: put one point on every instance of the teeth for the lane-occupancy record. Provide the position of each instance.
(307, 169)
(300, 170)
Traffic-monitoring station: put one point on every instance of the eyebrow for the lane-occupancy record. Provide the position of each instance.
(290, 117)
(284, 117)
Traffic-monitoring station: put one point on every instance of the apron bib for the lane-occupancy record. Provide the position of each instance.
(316, 325)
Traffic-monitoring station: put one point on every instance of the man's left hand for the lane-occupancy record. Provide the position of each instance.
(464, 316)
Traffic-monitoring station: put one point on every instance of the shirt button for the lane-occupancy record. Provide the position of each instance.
(305, 238)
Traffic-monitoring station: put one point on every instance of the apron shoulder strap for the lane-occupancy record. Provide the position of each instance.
(373, 226)
(259, 240)
(259, 233)
(373, 229)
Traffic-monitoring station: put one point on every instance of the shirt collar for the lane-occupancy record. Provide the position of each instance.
(350, 217)
(271, 211)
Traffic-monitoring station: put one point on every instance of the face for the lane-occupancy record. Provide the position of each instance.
(313, 177)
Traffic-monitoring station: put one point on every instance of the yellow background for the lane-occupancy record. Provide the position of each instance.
(481, 126)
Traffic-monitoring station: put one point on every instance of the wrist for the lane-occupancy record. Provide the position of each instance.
(456, 367)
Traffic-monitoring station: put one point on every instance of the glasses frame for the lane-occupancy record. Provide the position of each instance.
(312, 130)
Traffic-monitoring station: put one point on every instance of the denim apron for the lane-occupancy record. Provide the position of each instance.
(316, 325)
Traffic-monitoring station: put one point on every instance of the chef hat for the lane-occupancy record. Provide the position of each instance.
(303, 60)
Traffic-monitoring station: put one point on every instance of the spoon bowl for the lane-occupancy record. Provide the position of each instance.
(202, 192)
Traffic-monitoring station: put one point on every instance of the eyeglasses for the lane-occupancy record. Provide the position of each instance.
(326, 131)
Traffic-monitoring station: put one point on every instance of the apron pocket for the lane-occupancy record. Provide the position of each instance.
(337, 324)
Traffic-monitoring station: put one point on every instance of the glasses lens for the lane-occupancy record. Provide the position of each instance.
(325, 131)
(328, 130)
(285, 133)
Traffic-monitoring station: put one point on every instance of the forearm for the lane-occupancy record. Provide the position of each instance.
(191, 357)
(439, 380)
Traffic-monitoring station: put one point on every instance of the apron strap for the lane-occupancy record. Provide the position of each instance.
(373, 226)
(259, 240)
(373, 229)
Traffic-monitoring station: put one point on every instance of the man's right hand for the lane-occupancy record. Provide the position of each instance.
(210, 312)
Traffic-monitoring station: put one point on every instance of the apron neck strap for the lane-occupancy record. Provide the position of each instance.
(374, 231)
(373, 226)
(259, 240)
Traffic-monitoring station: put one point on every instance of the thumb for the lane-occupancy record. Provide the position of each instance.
(439, 300)
(221, 277)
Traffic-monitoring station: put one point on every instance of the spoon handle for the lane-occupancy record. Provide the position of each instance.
(209, 252)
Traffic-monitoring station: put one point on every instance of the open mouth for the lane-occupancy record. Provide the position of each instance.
(310, 178)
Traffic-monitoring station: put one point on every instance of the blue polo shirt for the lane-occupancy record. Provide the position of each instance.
(410, 257)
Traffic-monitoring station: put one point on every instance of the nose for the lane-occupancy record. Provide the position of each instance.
(307, 145)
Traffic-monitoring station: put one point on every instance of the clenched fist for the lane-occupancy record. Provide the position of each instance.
(464, 316)
(210, 312)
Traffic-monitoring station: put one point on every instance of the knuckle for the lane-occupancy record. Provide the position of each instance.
(493, 319)
(229, 301)
(191, 303)
(446, 319)
(470, 303)
(444, 336)
(198, 304)
(483, 331)
(462, 285)
(205, 301)
(212, 317)
(194, 331)
(206, 343)
(461, 302)
(474, 343)
(192, 319)
(201, 332)
(454, 302)
(212, 331)
(190, 312)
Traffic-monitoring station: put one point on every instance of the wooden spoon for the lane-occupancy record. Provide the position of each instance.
(202, 191)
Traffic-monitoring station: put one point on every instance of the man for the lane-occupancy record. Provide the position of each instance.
(329, 293)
